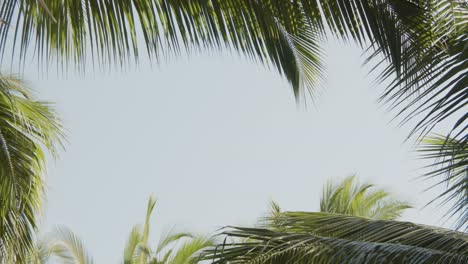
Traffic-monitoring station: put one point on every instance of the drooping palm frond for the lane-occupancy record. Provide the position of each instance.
(272, 247)
(271, 32)
(68, 247)
(432, 74)
(27, 128)
(422, 41)
(451, 162)
(348, 197)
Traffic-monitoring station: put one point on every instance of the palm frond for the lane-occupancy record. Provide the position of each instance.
(170, 238)
(272, 247)
(349, 197)
(27, 128)
(40, 253)
(450, 158)
(274, 32)
(69, 248)
(189, 252)
(131, 245)
(432, 67)
(368, 230)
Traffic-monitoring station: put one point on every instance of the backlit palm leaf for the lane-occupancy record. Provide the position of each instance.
(173, 248)
(68, 247)
(27, 127)
(351, 198)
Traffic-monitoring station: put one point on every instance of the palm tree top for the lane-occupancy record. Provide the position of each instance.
(349, 197)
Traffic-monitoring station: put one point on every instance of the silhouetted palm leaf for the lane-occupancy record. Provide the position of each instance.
(451, 161)
(265, 246)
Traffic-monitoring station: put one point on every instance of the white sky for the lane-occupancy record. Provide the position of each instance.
(215, 138)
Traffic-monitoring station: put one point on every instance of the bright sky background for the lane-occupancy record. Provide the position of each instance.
(215, 137)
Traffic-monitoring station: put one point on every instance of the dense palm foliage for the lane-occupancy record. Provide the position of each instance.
(417, 47)
(185, 246)
(324, 237)
(331, 238)
(27, 127)
(348, 197)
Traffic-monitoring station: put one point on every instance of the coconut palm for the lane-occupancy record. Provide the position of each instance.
(417, 47)
(339, 236)
(348, 197)
(27, 129)
(332, 238)
(423, 44)
(185, 246)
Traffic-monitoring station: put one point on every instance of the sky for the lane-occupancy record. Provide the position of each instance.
(215, 138)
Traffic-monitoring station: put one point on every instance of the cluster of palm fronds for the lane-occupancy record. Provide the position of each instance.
(27, 127)
(138, 250)
(344, 232)
(419, 48)
(65, 247)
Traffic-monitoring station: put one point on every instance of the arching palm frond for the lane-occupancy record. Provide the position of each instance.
(40, 253)
(451, 161)
(27, 128)
(272, 32)
(351, 198)
(368, 230)
(68, 247)
(272, 247)
(189, 251)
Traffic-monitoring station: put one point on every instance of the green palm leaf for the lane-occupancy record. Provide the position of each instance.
(368, 230)
(272, 247)
(68, 247)
(451, 161)
(351, 198)
(189, 252)
(27, 128)
(270, 32)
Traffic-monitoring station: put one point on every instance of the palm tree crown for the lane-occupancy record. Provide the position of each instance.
(351, 198)
(331, 237)
(138, 251)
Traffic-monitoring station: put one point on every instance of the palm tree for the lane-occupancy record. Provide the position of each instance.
(417, 47)
(138, 251)
(340, 236)
(27, 128)
(423, 43)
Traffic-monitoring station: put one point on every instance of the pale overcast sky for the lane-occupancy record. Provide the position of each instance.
(215, 137)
